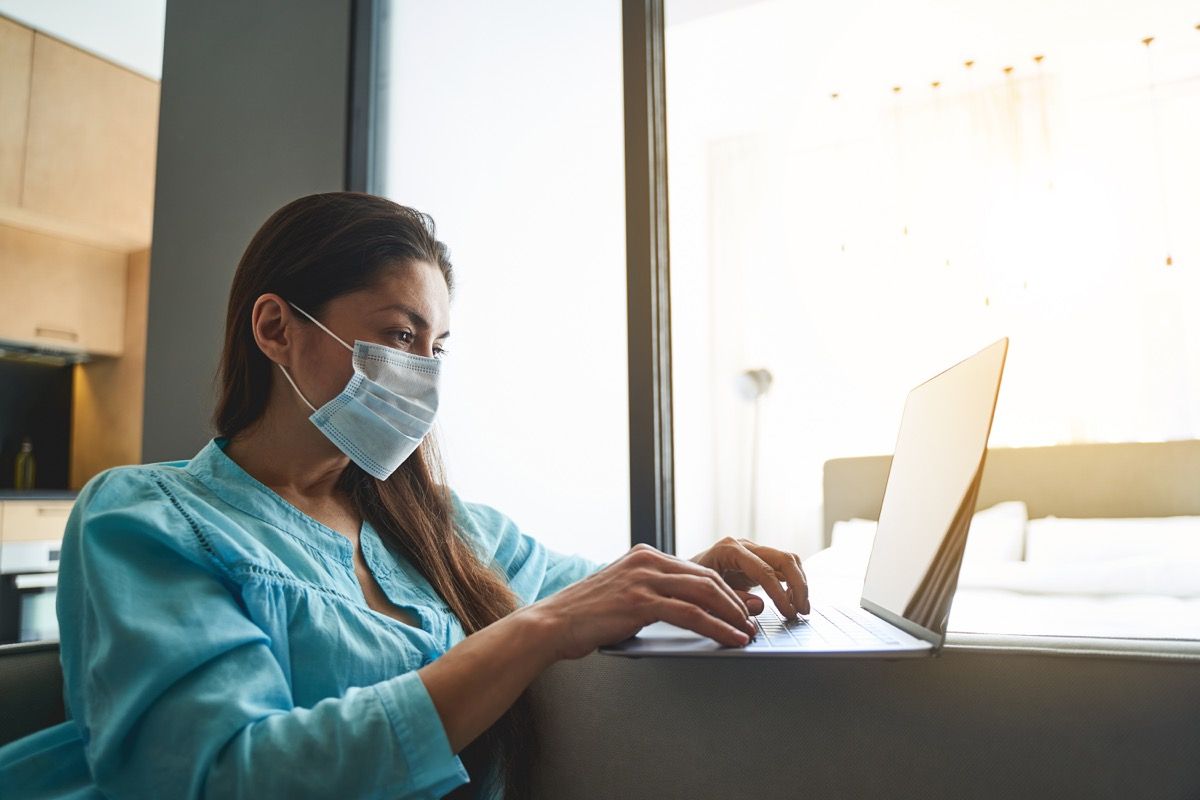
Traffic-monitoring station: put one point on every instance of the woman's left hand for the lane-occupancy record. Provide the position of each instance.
(745, 564)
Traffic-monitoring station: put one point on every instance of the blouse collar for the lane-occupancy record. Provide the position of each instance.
(225, 478)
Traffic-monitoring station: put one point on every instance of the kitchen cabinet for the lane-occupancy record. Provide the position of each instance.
(106, 409)
(78, 141)
(90, 144)
(60, 294)
(16, 61)
(33, 520)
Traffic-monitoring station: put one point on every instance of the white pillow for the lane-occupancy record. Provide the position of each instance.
(997, 535)
(853, 533)
(1059, 541)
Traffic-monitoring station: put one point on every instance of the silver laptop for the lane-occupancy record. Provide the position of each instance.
(913, 571)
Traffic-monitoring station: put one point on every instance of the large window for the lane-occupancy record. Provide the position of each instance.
(861, 194)
(864, 192)
(504, 121)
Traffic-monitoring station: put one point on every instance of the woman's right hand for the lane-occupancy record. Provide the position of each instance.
(642, 587)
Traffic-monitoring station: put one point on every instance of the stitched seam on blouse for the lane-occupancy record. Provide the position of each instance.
(371, 614)
(249, 567)
(201, 539)
(283, 577)
(285, 508)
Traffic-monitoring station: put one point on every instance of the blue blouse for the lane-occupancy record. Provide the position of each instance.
(216, 643)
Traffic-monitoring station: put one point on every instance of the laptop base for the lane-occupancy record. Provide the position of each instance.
(664, 639)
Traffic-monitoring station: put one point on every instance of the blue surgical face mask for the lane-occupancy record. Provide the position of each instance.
(386, 409)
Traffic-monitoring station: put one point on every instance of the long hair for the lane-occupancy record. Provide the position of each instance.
(309, 252)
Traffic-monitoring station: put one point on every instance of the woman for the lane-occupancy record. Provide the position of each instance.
(304, 609)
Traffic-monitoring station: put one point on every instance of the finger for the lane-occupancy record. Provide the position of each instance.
(694, 618)
(764, 575)
(705, 592)
(673, 565)
(753, 602)
(802, 592)
(788, 565)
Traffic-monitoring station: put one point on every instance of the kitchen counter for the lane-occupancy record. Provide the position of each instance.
(38, 494)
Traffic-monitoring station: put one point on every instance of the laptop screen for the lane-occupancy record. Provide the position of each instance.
(931, 491)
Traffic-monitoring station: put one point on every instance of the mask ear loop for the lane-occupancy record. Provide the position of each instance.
(317, 322)
(283, 369)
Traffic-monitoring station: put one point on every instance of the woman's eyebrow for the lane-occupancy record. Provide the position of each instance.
(417, 319)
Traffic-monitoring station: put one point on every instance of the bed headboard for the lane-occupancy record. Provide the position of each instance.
(1137, 479)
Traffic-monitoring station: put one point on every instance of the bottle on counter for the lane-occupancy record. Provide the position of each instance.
(25, 472)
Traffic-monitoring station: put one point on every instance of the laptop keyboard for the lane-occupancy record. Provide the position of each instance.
(824, 627)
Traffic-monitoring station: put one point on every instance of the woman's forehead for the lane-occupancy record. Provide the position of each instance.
(417, 289)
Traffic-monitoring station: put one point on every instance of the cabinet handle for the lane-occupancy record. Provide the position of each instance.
(44, 511)
(56, 333)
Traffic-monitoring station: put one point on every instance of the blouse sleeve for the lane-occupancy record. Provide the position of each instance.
(534, 571)
(176, 692)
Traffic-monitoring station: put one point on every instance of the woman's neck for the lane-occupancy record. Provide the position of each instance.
(287, 453)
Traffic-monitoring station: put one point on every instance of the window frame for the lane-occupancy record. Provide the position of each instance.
(651, 457)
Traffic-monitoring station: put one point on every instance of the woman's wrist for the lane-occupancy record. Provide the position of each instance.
(540, 630)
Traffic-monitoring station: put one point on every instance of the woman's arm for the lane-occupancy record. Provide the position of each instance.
(474, 682)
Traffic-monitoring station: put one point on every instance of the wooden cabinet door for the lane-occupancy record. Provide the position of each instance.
(60, 294)
(90, 152)
(16, 58)
(33, 520)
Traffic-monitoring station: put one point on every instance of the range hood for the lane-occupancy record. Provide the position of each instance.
(36, 354)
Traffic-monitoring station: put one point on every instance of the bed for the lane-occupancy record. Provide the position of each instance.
(1097, 540)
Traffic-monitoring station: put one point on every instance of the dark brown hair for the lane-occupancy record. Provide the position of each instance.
(309, 252)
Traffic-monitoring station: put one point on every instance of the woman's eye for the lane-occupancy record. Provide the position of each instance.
(439, 352)
(404, 337)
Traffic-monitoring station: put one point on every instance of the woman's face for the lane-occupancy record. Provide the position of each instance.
(408, 308)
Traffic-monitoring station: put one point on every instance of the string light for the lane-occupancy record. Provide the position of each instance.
(900, 183)
(1155, 126)
(937, 111)
(1045, 112)
(842, 135)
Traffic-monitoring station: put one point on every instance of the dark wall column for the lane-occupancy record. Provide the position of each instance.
(253, 114)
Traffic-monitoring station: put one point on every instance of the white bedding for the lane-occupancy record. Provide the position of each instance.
(1097, 578)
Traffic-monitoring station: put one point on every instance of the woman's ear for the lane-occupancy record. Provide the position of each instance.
(274, 324)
